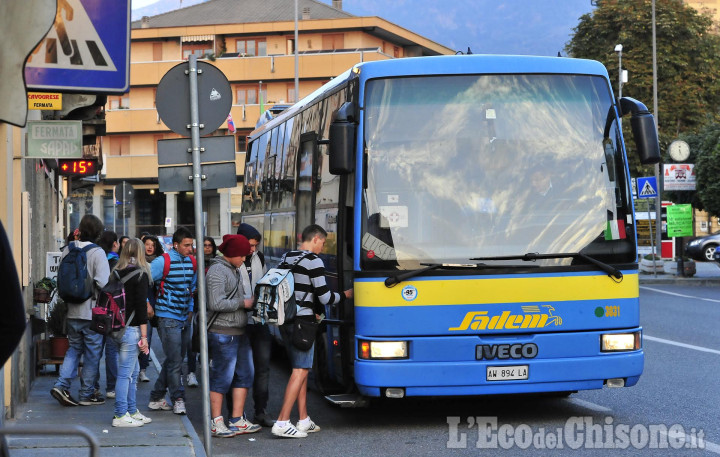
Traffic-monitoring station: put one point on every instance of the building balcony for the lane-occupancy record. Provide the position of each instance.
(128, 121)
(133, 121)
(130, 167)
(265, 68)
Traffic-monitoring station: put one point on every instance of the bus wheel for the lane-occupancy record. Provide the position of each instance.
(323, 382)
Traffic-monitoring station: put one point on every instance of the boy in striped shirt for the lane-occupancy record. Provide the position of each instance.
(312, 294)
(173, 307)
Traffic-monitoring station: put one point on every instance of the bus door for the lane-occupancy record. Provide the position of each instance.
(305, 199)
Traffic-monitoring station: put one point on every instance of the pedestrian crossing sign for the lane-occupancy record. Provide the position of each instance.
(86, 50)
(647, 187)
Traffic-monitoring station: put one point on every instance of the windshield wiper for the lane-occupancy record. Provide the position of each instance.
(532, 256)
(398, 278)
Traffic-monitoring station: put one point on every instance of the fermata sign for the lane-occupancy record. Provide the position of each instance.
(54, 140)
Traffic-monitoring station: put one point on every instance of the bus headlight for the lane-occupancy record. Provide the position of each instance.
(612, 342)
(382, 349)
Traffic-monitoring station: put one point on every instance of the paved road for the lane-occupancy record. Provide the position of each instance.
(679, 387)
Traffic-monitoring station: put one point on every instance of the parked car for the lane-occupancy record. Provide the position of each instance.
(703, 248)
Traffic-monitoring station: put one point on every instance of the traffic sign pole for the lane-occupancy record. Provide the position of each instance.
(648, 188)
(652, 244)
(199, 238)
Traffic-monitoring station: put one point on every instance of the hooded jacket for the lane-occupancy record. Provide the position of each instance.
(225, 295)
(254, 267)
(98, 268)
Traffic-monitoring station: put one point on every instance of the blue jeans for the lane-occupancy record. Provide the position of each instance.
(145, 358)
(261, 343)
(171, 334)
(127, 375)
(191, 356)
(232, 362)
(84, 343)
(111, 363)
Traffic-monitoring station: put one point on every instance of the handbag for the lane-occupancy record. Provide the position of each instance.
(304, 332)
(195, 342)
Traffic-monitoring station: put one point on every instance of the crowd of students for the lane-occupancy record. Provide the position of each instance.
(161, 293)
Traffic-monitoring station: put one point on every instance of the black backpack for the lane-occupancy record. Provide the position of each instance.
(74, 282)
(109, 314)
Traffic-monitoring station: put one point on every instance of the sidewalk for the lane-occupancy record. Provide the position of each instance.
(708, 274)
(169, 435)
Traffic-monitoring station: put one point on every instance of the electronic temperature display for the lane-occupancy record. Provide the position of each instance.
(78, 167)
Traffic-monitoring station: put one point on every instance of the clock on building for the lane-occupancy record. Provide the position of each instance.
(679, 151)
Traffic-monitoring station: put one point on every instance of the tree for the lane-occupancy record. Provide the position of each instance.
(706, 155)
(688, 60)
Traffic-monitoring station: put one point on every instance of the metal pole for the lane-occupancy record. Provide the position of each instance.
(44, 431)
(618, 49)
(297, 62)
(658, 204)
(620, 81)
(199, 235)
(123, 209)
(652, 245)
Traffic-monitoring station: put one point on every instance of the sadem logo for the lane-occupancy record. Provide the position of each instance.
(531, 317)
(409, 293)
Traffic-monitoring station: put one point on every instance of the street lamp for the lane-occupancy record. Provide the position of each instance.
(618, 49)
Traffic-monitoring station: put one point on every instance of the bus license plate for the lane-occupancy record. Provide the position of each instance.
(507, 373)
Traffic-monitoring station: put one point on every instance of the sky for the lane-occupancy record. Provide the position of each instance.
(531, 27)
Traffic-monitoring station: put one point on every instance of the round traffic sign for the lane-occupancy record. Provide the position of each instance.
(214, 98)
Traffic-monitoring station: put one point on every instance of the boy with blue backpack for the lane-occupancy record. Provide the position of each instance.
(83, 271)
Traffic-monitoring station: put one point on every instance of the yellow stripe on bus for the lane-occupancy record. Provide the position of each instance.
(495, 290)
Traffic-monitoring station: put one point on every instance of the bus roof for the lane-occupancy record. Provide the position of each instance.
(444, 65)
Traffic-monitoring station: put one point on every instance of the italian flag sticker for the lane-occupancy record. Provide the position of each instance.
(615, 230)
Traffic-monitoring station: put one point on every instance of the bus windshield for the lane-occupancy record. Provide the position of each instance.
(491, 165)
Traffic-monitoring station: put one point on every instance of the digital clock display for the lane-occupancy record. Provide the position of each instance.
(78, 167)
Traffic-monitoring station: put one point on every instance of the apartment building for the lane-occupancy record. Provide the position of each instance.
(253, 43)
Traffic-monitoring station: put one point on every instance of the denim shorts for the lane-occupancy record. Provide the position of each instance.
(298, 358)
(232, 365)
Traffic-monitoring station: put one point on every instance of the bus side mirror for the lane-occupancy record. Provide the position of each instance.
(342, 140)
(643, 128)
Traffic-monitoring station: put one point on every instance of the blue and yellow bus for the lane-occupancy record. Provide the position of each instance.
(480, 206)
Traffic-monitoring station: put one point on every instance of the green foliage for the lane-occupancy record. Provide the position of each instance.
(47, 284)
(688, 62)
(707, 166)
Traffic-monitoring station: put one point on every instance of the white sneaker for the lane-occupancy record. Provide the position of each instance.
(192, 380)
(159, 405)
(179, 406)
(126, 421)
(289, 431)
(219, 429)
(310, 427)
(110, 394)
(138, 416)
(142, 377)
(242, 426)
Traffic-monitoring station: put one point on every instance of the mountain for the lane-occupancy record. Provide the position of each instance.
(532, 27)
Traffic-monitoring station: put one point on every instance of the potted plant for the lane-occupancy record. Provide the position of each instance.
(652, 263)
(59, 343)
(44, 289)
